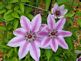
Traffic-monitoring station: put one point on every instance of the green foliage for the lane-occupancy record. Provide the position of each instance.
(10, 12)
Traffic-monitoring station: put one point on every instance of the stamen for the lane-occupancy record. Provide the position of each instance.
(57, 13)
(53, 34)
(30, 36)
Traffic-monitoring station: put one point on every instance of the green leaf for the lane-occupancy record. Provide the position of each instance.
(24, 0)
(70, 42)
(9, 6)
(2, 28)
(48, 54)
(62, 1)
(12, 1)
(15, 15)
(57, 58)
(8, 15)
(15, 25)
(47, 4)
(22, 7)
(2, 11)
(78, 13)
(70, 14)
(79, 22)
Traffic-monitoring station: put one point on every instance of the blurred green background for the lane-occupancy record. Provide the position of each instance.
(12, 10)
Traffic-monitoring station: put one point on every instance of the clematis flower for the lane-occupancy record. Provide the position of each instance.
(58, 11)
(53, 35)
(27, 38)
(78, 59)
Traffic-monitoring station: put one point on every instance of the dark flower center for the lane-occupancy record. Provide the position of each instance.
(30, 36)
(79, 59)
(53, 34)
(57, 13)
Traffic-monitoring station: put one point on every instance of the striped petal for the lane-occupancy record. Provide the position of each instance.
(43, 33)
(51, 22)
(60, 24)
(54, 45)
(35, 52)
(64, 33)
(15, 42)
(36, 23)
(19, 32)
(25, 23)
(45, 42)
(23, 50)
(55, 8)
(62, 42)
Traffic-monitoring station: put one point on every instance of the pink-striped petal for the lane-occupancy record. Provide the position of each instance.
(43, 26)
(15, 42)
(43, 33)
(23, 50)
(25, 23)
(54, 45)
(60, 24)
(45, 42)
(35, 52)
(19, 32)
(55, 8)
(51, 22)
(64, 33)
(36, 23)
(62, 42)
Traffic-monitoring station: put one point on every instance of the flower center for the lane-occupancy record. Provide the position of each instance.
(30, 36)
(53, 34)
(57, 13)
(79, 59)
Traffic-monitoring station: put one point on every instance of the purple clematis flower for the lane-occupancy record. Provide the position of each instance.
(53, 34)
(78, 59)
(27, 38)
(58, 11)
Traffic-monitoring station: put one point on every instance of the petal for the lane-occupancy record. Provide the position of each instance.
(51, 22)
(60, 24)
(19, 32)
(45, 42)
(23, 50)
(55, 8)
(42, 27)
(77, 59)
(54, 45)
(35, 52)
(36, 23)
(15, 42)
(38, 43)
(43, 33)
(61, 7)
(25, 23)
(63, 12)
(64, 33)
(62, 42)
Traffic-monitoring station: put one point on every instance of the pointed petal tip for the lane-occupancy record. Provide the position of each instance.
(70, 33)
(8, 44)
(56, 4)
(39, 15)
(55, 51)
(20, 58)
(22, 17)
